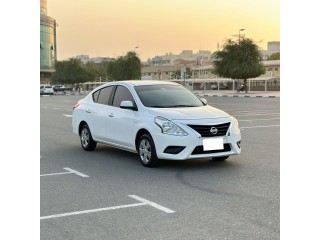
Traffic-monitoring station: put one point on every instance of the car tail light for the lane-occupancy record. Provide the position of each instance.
(76, 105)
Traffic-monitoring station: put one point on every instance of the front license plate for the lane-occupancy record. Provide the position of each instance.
(212, 144)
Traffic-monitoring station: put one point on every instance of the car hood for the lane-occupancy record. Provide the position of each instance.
(189, 113)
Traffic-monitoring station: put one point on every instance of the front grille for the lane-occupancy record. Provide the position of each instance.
(204, 130)
(199, 150)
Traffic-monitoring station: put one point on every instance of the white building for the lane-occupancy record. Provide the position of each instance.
(85, 58)
(175, 59)
(273, 47)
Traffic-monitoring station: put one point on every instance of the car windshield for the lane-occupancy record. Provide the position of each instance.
(167, 96)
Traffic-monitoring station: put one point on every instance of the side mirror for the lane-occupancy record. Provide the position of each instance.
(204, 101)
(128, 105)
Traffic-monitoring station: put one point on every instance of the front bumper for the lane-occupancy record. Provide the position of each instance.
(193, 146)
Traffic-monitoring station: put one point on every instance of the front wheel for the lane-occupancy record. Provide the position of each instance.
(147, 151)
(86, 140)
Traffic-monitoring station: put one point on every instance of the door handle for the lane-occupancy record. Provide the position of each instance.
(110, 114)
(88, 111)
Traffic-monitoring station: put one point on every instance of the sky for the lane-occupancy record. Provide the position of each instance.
(112, 28)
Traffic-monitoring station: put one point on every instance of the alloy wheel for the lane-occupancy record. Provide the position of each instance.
(85, 137)
(145, 151)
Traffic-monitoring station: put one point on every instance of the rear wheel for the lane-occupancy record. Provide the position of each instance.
(86, 140)
(147, 151)
(220, 159)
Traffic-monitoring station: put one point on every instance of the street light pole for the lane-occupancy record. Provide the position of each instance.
(242, 29)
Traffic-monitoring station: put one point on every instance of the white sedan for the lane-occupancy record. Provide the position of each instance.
(46, 90)
(157, 120)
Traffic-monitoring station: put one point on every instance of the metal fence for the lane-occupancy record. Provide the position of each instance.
(271, 84)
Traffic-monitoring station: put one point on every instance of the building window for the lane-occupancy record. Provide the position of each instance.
(276, 69)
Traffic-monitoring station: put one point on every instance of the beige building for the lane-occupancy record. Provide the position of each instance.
(202, 77)
(159, 72)
(186, 55)
(86, 58)
(200, 72)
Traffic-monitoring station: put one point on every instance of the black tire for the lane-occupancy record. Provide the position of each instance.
(147, 151)
(220, 159)
(87, 143)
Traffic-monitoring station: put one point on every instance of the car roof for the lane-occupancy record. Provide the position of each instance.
(145, 82)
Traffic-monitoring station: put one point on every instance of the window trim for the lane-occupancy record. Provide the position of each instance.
(132, 95)
(110, 97)
(99, 90)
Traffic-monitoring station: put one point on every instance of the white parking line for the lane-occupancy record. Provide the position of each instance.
(143, 202)
(152, 204)
(51, 174)
(260, 126)
(67, 115)
(91, 211)
(69, 172)
(76, 172)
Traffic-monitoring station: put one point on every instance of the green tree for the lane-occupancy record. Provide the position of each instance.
(177, 73)
(274, 56)
(70, 72)
(125, 67)
(97, 69)
(188, 72)
(238, 60)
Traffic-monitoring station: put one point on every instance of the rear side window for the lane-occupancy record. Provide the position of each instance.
(103, 95)
(122, 94)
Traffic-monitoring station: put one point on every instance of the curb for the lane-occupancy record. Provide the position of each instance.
(67, 94)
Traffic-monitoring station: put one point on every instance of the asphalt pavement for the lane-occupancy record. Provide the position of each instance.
(108, 194)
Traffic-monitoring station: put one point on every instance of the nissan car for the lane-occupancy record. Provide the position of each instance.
(157, 120)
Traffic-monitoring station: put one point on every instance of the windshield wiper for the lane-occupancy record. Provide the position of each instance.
(172, 106)
(181, 105)
(157, 106)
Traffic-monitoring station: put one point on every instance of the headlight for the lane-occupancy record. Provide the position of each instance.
(168, 127)
(235, 125)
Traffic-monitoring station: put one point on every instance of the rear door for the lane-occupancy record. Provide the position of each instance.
(97, 112)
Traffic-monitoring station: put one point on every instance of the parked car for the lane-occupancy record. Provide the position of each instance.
(58, 88)
(222, 86)
(46, 90)
(156, 119)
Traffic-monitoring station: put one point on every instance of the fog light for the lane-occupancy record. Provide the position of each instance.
(238, 143)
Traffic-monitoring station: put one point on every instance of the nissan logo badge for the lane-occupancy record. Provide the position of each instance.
(214, 130)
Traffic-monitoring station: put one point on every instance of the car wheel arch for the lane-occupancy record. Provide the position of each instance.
(139, 134)
(81, 125)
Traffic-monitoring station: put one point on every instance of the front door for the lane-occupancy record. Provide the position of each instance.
(120, 121)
